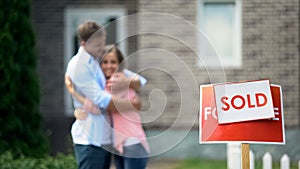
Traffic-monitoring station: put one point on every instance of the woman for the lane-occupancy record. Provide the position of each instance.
(129, 136)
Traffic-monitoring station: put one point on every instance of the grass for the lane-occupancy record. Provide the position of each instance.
(214, 164)
(203, 164)
(61, 161)
(275, 165)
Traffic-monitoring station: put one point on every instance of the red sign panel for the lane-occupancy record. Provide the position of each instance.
(259, 131)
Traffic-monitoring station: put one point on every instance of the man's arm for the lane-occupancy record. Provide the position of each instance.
(118, 104)
(125, 79)
(136, 81)
(87, 85)
(91, 107)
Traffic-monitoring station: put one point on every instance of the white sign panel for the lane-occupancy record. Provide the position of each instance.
(244, 101)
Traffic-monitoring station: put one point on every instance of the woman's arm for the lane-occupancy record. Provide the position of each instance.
(71, 90)
(88, 105)
(80, 114)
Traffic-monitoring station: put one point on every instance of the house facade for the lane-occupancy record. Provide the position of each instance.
(177, 45)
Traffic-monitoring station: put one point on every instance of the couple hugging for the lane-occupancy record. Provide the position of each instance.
(107, 107)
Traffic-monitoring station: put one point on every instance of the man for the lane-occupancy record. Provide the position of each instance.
(92, 137)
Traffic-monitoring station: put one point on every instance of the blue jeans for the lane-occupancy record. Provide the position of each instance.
(135, 157)
(92, 157)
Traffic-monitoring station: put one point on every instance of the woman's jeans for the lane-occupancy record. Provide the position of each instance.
(135, 157)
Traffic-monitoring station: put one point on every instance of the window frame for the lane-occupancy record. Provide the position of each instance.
(236, 62)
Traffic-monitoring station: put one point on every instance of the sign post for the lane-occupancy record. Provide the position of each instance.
(245, 156)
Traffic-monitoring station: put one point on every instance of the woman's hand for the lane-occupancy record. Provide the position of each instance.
(118, 82)
(70, 87)
(80, 114)
(69, 84)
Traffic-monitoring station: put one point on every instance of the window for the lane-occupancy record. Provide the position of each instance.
(220, 21)
(75, 16)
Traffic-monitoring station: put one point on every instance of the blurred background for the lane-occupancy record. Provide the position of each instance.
(253, 39)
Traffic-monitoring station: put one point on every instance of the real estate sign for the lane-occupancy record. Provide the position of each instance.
(269, 131)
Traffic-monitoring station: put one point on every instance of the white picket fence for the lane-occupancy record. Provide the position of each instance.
(267, 161)
(234, 158)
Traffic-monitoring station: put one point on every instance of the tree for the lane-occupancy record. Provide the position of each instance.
(20, 119)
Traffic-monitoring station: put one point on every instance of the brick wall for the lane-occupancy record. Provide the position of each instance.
(270, 49)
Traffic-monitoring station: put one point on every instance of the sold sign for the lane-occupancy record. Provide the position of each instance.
(267, 131)
(244, 101)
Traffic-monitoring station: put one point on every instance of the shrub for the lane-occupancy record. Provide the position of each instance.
(8, 161)
(20, 120)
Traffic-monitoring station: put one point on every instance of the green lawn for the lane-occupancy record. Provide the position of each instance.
(276, 165)
(207, 164)
(60, 161)
(203, 164)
